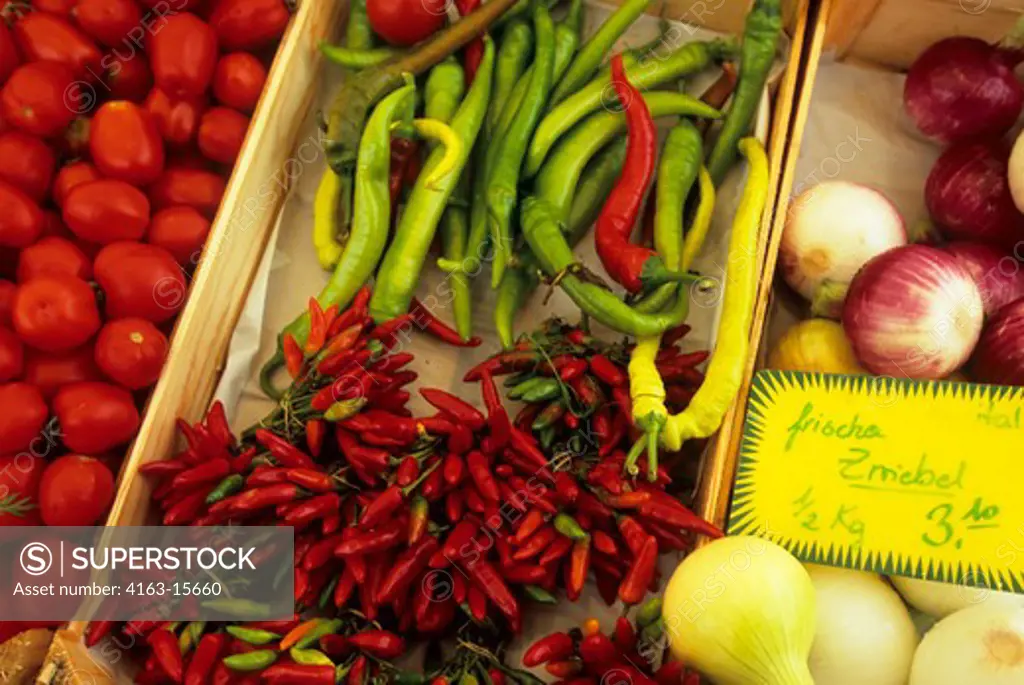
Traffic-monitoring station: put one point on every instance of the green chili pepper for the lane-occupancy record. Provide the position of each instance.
(521, 280)
(503, 177)
(354, 58)
(370, 221)
(594, 51)
(570, 528)
(545, 391)
(309, 657)
(701, 221)
(444, 90)
(469, 679)
(547, 437)
(558, 178)
(688, 59)
(512, 58)
(409, 678)
(649, 612)
(757, 54)
(538, 594)
(680, 161)
(549, 416)
(190, 636)
(226, 488)
(526, 386)
(323, 627)
(327, 594)
(252, 636)
(653, 632)
(251, 661)
(400, 271)
(545, 238)
(358, 33)
(243, 608)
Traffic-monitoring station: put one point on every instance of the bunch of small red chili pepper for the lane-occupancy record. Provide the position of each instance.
(588, 656)
(575, 387)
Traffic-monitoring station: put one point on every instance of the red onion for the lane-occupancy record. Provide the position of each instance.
(998, 275)
(999, 357)
(968, 195)
(963, 87)
(913, 312)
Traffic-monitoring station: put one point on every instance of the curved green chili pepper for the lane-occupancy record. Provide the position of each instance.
(251, 661)
(757, 54)
(444, 90)
(594, 51)
(680, 160)
(701, 221)
(226, 488)
(252, 635)
(558, 177)
(358, 33)
(355, 59)
(521, 280)
(544, 236)
(688, 59)
(512, 59)
(503, 177)
(400, 271)
(371, 216)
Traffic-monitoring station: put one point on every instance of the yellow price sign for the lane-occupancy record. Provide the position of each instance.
(913, 478)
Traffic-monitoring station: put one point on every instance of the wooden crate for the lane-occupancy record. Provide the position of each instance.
(881, 37)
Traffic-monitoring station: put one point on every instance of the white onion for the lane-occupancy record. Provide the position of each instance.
(832, 229)
(982, 645)
(864, 635)
(942, 599)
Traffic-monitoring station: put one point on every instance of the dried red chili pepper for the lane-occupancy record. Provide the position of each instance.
(318, 326)
(678, 516)
(381, 644)
(315, 429)
(477, 601)
(453, 469)
(459, 409)
(312, 509)
(576, 571)
(357, 674)
(606, 370)
(533, 520)
(321, 552)
(187, 509)
(204, 659)
(486, 577)
(556, 551)
(297, 674)
(283, 451)
(497, 418)
(164, 645)
(634, 585)
(524, 574)
(440, 330)
(312, 480)
(503, 364)
(212, 471)
(262, 498)
(480, 472)
(454, 505)
(536, 543)
(554, 647)
(384, 537)
(343, 591)
(566, 488)
(163, 469)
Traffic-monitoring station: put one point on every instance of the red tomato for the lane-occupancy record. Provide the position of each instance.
(181, 231)
(129, 79)
(406, 22)
(125, 143)
(192, 187)
(23, 414)
(21, 221)
(70, 176)
(61, 7)
(179, 5)
(53, 257)
(12, 357)
(95, 417)
(105, 211)
(221, 134)
(50, 371)
(249, 24)
(47, 37)
(54, 313)
(140, 280)
(7, 290)
(183, 54)
(34, 98)
(28, 163)
(9, 59)
(107, 21)
(21, 473)
(238, 81)
(177, 120)
(131, 352)
(53, 227)
(75, 491)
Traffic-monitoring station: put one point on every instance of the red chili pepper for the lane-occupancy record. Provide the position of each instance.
(606, 370)
(480, 472)
(503, 364)
(633, 533)
(459, 409)
(297, 674)
(433, 482)
(533, 520)
(315, 429)
(312, 480)
(212, 471)
(455, 544)
(571, 368)
(357, 674)
(554, 647)
(373, 459)
(564, 669)
(317, 327)
(670, 673)
(440, 330)
(604, 543)
(407, 471)
(97, 630)
(496, 676)
(390, 535)
(419, 511)
(524, 574)
(526, 416)
(525, 446)
(266, 475)
(263, 498)
(163, 469)
(454, 505)
(283, 451)
(343, 590)
(474, 501)
(485, 577)
(589, 505)
(187, 509)
(619, 428)
(167, 653)
(628, 500)
(634, 585)
(453, 470)
(576, 571)
(668, 538)
(566, 488)
(293, 357)
(204, 659)
(460, 588)
(624, 635)
(477, 601)
(243, 461)
(321, 552)
(678, 517)
(497, 417)
(388, 331)
(312, 509)
(607, 585)
(474, 51)
(536, 543)
(438, 616)
(556, 551)
(382, 644)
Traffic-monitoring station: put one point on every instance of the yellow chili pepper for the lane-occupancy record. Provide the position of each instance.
(694, 240)
(438, 131)
(329, 195)
(707, 409)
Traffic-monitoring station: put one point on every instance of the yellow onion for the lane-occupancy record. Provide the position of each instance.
(815, 345)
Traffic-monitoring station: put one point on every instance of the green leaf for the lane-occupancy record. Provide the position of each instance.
(16, 505)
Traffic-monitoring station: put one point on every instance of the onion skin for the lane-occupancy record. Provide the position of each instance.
(814, 345)
(913, 312)
(962, 88)
(831, 230)
(968, 195)
(979, 645)
(999, 276)
(999, 357)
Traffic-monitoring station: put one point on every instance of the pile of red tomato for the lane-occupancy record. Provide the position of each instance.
(120, 121)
